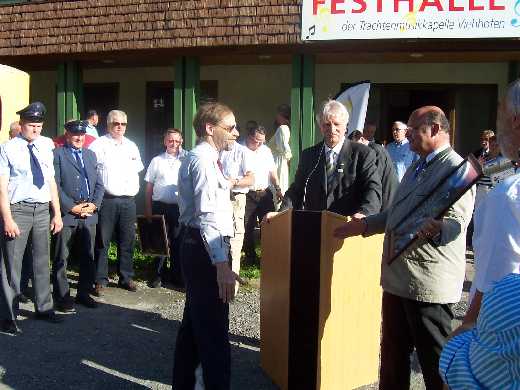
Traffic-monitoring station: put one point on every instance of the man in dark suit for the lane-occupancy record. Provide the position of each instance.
(81, 191)
(336, 174)
(386, 169)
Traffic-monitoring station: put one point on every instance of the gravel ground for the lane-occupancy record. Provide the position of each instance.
(127, 343)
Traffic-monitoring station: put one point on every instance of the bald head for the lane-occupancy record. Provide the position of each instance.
(428, 130)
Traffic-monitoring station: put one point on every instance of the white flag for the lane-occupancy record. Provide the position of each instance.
(355, 98)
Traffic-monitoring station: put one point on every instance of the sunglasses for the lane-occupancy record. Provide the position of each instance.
(229, 129)
(122, 124)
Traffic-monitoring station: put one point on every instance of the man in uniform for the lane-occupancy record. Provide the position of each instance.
(206, 216)
(27, 186)
(119, 164)
(81, 192)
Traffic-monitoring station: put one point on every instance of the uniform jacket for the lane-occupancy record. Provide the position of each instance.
(428, 271)
(67, 173)
(356, 186)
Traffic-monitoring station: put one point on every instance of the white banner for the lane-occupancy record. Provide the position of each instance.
(384, 19)
(355, 98)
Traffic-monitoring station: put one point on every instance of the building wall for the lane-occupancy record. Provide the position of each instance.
(43, 89)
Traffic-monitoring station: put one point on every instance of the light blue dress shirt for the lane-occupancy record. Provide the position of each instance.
(204, 200)
(80, 154)
(16, 165)
(401, 156)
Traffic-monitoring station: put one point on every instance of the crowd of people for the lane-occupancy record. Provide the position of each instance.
(81, 188)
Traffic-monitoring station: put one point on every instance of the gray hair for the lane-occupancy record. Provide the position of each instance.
(116, 113)
(400, 124)
(332, 108)
(508, 137)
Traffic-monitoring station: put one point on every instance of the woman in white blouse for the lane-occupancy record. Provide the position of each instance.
(280, 147)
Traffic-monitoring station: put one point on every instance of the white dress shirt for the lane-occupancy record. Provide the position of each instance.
(15, 163)
(204, 200)
(163, 173)
(119, 165)
(235, 165)
(261, 162)
(496, 238)
(336, 149)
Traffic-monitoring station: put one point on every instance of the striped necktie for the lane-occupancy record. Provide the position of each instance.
(420, 167)
(329, 166)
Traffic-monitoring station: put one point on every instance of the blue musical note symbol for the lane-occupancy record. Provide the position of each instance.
(515, 22)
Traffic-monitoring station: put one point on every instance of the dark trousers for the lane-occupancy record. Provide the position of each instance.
(408, 324)
(83, 237)
(258, 204)
(203, 335)
(117, 215)
(33, 221)
(171, 215)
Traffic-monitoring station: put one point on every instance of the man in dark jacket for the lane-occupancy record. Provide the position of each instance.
(81, 191)
(385, 167)
(336, 174)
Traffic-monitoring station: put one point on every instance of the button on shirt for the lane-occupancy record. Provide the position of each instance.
(261, 162)
(15, 164)
(401, 156)
(204, 201)
(235, 165)
(119, 165)
(163, 173)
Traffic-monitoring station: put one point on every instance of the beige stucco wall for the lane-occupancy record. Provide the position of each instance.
(14, 95)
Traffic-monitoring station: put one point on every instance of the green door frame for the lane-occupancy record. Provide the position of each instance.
(69, 94)
(186, 93)
(302, 108)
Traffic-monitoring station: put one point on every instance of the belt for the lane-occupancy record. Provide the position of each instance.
(110, 196)
(262, 191)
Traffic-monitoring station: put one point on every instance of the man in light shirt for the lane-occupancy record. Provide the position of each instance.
(161, 198)
(399, 150)
(236, 168)
(207, 220)
(259, 199)
(27, 187)
(119, 164)
(93, 119)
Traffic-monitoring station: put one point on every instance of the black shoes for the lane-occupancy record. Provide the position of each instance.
(51, 317)
(156, 283)
(23, 299)
(86, 300)
(130, 285)
(9, 326)
(65, 304)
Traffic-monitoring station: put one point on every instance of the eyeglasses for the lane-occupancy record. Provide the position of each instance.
(397, 129)
(122, 124)
(229, 129)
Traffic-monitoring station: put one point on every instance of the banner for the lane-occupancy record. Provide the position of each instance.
(355, 98)
(385, 19)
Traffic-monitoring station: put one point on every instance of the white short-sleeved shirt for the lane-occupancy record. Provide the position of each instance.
(261, 162)
(163, 173)
(119, 165)
(235, 165)
(15, 163)
(496, 239)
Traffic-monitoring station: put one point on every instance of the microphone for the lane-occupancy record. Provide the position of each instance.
(310, 174)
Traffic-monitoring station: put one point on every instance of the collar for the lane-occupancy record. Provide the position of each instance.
(205, 147)
(337, 148)
(403, 142)
(111, 139)
(436, 152)
(171, 156)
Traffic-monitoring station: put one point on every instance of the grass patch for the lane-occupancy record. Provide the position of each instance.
(250, 271)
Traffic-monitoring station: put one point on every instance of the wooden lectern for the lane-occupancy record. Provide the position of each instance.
(320, 313)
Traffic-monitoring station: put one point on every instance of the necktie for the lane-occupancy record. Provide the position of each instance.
(420, 167)
(83, 188)
(329, 166)
(36, 169)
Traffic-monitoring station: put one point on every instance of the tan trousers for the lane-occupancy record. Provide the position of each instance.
(239, 209)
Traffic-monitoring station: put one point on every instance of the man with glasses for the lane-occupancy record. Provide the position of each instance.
(422, 284)
(259, 199)
(202, 351)
(399, 150)
(119, 164)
